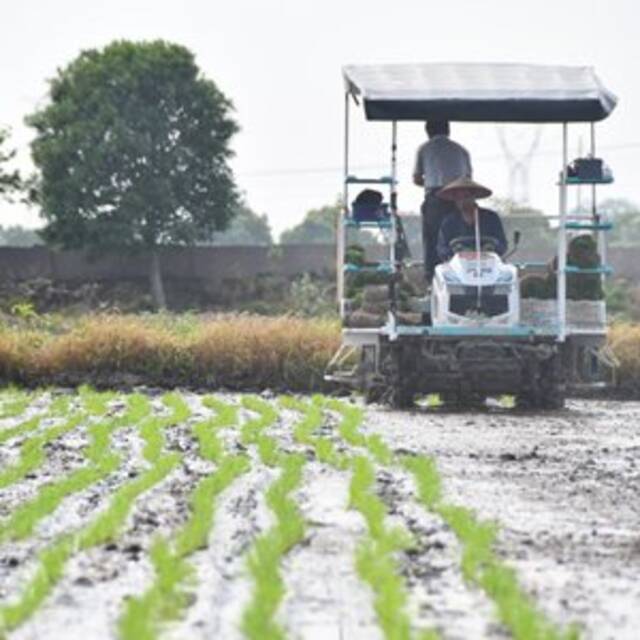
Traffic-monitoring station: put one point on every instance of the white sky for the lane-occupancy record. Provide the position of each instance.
(280, 62)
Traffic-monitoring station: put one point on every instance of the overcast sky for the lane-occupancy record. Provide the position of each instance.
(280, 62)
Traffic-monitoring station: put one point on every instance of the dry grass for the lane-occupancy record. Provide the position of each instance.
(624, 342)
(231, 351)
(243, 352)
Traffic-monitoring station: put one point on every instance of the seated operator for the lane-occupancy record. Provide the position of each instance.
(464, 192)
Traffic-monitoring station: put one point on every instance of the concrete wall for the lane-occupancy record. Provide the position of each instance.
(211, 265)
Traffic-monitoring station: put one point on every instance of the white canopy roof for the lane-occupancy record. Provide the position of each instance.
(480, 92)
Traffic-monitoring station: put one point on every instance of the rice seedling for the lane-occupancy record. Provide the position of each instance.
(14, 402)
(375, 561)
(480, 564)
(20, 429)
(106, 526)
(349, 429)
(267, 416)
(33, 450)
(258, 620)
(304, 430)
(168, 595)
(101, 462)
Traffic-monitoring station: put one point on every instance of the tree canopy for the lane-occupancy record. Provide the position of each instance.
(19, 236)
(247, 228)
(319, 227)
(9, 180)
(132, 151)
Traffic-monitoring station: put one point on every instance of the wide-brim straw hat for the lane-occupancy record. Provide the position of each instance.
(463, 189)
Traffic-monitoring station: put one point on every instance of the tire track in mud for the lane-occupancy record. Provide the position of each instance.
(54, 558)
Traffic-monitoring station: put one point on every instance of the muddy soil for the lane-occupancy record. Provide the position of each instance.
(563, 487)
(565, 490)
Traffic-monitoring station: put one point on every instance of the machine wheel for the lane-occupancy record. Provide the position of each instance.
(547, 391)
(400, 398)
(398, 392)
(374, 394)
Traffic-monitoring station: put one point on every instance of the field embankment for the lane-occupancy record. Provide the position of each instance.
(230, 351)
(220, 351)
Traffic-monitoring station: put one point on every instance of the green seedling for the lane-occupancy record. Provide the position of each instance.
(258, 621)
(480, 564)
(305, 429)
(106, 526)
(101, 462)
(168, 596)
(33, 450)
(14, 402)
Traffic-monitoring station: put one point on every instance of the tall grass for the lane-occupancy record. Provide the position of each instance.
(234, 351)
(106, 526)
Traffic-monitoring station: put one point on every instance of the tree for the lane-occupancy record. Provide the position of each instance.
(19, 236)
(132, 152)
(247, 228)
(538, 240)
(625, 216)
(319, 227)
(9, 180)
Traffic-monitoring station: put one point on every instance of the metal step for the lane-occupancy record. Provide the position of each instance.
(594, 226)
(381, 180)
(382, 223)
(605, 269)
(382, 267)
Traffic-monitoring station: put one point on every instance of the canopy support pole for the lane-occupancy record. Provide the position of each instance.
(562, 239)
(393, 197)
(341, 226)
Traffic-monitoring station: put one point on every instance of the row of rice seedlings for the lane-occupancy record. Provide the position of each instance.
(33, 450)
(304, 430)
(258, 621)
(375, 560)
(101, 462)
(14, 402)
(480, 564)
(168, 596)
(349, 428)
(106, 526)
(253, 431)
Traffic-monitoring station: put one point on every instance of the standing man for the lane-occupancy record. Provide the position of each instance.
(439, 161)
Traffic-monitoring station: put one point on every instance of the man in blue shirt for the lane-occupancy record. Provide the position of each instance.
(464, 193)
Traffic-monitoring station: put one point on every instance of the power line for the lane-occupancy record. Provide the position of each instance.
(268, 173)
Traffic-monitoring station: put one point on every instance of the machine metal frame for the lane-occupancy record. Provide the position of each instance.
(371, 339)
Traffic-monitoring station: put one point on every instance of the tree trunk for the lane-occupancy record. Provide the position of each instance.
(155, 279)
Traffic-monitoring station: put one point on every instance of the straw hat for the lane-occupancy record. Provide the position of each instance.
(463, 189)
